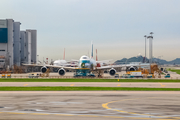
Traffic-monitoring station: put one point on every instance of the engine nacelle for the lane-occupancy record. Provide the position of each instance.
(132, 68)
(112, 71)
(44, 69)
(61, 72)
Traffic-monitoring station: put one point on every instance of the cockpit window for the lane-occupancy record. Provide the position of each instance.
(84, 57)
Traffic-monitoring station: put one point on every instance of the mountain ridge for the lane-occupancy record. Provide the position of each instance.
(141, 59)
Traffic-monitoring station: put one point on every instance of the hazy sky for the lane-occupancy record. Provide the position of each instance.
(116, 27)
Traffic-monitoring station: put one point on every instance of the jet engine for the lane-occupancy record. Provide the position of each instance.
(132, 68)
(44, 69)
(61, 72)
(112, 71)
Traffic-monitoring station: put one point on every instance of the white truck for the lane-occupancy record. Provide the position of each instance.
(136, 74)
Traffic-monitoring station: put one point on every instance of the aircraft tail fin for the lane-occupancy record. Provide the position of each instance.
(96, 55)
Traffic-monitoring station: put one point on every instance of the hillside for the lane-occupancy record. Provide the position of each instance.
(141, 59)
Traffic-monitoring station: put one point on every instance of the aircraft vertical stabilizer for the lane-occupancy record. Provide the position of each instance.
(96, 55)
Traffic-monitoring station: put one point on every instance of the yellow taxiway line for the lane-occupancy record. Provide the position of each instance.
(25, 85)
(132, 113)
(162, 85)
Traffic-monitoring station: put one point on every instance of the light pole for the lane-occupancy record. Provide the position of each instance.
(151, 33)
(145, 49)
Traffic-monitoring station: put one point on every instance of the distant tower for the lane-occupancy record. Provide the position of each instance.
(150, 49)
(145, 50)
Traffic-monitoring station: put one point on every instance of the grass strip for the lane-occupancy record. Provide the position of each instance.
(177, 71)
(85, 89)
(85, 80)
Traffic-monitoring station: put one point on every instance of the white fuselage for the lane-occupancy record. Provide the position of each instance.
(86, 62)
(60, 63)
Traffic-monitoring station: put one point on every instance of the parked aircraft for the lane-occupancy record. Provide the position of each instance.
(86, 62)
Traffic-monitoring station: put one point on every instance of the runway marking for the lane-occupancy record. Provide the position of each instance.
(88, 115)
(141, 118)
(65, 114)
(15, 113)
(162, 85)
(25, 84)
(39, 114)
(119, 85)
(72, 85)
(165, 119)
(106, 106)
(113, 117)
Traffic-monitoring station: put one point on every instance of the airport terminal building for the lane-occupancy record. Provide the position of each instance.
(16, 46)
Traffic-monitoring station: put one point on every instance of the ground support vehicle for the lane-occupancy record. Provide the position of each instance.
(33, 75)
(8, 75)
(3, 76)
(127, 76)
(149, 76)
(83, 73)
(167, 76)
(136, 74)
(116, 76)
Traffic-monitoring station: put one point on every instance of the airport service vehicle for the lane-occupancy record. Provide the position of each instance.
(167, 76)
(33, 75)
(126, 76)
(149, 76)
(136, 74)
(3, 76)
(83, 73)
(116, 76)
(133, 74)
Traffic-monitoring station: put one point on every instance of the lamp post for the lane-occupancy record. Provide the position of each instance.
(151, 33)
(145, 49)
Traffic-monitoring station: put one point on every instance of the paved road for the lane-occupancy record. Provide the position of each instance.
(88, 105)
(95, 84)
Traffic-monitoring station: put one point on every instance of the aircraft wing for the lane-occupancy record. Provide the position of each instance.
(69, 68)
(110, 66)
(119, 66)
(34, 65)
(104, 61)
(50, 66)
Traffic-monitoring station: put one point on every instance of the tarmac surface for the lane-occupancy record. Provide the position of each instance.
(174, 75)
(94, 84)
(88, 105)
